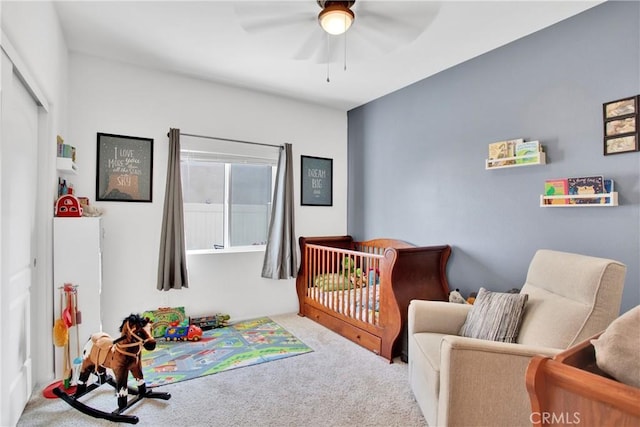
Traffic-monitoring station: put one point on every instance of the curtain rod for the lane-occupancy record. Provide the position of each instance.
(231, 140)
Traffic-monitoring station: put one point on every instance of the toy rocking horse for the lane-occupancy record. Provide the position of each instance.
(122, 356)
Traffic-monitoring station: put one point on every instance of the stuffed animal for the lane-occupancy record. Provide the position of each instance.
(472, 297)
(456, 297)
(352, 273)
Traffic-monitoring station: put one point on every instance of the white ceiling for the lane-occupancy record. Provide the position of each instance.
(277, 46)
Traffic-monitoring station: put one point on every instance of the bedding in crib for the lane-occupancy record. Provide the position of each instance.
(356, 303)
(350, 295)
(343, 280)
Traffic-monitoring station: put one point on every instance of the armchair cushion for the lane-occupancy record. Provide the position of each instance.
(580, 293)
(495, 316)
(617, 348)
(429, 347)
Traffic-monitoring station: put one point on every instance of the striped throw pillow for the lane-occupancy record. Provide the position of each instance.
(495, 316)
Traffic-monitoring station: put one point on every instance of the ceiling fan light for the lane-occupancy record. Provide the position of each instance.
(336, 19)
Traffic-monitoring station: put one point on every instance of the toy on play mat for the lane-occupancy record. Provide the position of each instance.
(164, 317)
(218, 320)
(122, 355)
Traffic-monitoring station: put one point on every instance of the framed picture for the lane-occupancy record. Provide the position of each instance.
(124, 168)
(622, 144)
(621, 125)
(316, 181)
(621, 107)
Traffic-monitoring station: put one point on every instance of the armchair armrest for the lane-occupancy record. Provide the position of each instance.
(436, 316)
(472, 369)
(456, 343)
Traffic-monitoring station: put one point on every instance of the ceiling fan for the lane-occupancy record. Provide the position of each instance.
(367, 28)
(336, 16)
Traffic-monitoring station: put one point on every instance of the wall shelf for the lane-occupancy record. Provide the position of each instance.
(66, 165)
(539, 158)
(545, 201)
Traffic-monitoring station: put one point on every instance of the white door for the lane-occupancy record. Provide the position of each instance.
(18, 161)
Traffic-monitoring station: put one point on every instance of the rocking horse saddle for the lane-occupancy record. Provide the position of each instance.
(102, 347)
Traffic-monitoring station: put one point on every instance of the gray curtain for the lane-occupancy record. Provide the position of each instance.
(280, 260)
(172, 262)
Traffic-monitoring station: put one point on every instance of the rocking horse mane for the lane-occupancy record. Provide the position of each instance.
(134, 320)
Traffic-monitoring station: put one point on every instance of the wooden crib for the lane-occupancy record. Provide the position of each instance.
(362, 290)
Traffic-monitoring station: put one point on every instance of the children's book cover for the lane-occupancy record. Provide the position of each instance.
(556, 187)
(587, 185)
(528, 148)
(503, 150)
(608, 188)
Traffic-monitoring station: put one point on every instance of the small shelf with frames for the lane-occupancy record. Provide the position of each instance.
(612, 200)
(539, 158)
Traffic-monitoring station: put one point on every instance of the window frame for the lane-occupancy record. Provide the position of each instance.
(227, 208)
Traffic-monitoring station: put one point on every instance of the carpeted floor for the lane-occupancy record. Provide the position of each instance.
(242, 344)
(338, 384)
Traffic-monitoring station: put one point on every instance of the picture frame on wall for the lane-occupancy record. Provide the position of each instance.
(622, 144)
(124, 168)
(621, 125)
(316, 179)
(620, 107)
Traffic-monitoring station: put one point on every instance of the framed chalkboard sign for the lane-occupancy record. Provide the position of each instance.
(317, 181)
(124, 168)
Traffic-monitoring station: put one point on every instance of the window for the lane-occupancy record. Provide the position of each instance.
(227, 192)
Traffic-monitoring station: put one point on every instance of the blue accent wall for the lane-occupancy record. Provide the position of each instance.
(417, 156)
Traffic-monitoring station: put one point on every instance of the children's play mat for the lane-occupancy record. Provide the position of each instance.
(241, 344)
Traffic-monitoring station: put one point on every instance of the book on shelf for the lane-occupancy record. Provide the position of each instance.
(67, 151)
(608, 188)
(556, 187)
(527, 148)
(586, 185)
(503, 150)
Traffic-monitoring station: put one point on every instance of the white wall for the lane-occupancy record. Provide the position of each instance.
(116, 98)
(32, 28)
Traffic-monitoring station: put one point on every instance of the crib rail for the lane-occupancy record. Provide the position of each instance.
(346, 281)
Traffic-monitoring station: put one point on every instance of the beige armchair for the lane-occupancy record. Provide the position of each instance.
(460, 381)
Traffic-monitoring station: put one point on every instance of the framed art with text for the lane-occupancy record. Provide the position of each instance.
(621, 125)
(316, 181)
(124, 168)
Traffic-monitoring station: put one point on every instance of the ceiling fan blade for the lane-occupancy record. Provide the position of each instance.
(401, 21)
(320, 47)
(332, 49)
(370, 41)
(257, 16)
(275, 23)
(310, 46)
